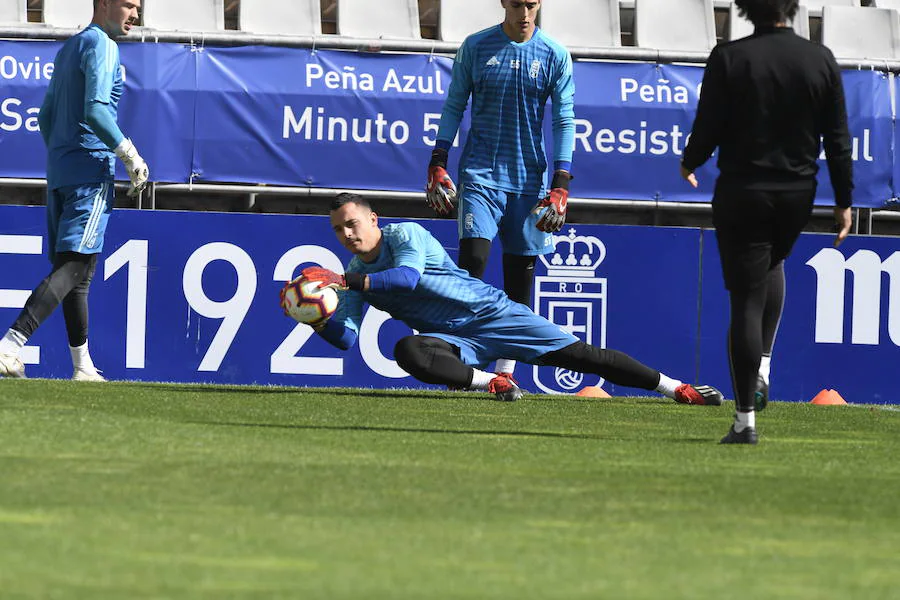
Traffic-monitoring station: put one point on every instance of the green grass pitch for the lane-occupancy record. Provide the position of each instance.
(134, 490)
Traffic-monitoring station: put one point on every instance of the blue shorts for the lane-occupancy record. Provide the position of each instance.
(515, 332)
(77, 217)
(484, 211)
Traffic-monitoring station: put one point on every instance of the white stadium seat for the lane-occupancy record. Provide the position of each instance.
(596, 25)
(895, 4)
(184, 15)
(861, 33)
(739, 26)
(13, 11)
(654, 22)
(297, 17)
(379, 19)
(68, 13)
(815, 6)
(458, 19)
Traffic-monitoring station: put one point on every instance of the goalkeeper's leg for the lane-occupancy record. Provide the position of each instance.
(614, 366)
(433, 360)
(69, 270)
(621, 369)
(518, 277)
(473, 255)
(75, 313)
(518, 282)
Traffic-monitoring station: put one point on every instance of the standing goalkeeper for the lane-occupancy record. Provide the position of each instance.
(510, 71)
(78, 124)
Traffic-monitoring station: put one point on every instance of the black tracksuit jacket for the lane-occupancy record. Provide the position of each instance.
(766, 102)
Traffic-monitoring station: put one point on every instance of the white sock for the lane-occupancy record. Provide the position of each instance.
(743, 420)
(481, 379)
(667, 385)
(12, 342)
(505, 365)
(765, 364)
(81, 358)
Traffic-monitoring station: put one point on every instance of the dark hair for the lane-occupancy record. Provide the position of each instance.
(348, 198)
(767, 12)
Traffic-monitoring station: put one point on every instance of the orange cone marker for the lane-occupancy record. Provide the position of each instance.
(828, 397)
(592, 391)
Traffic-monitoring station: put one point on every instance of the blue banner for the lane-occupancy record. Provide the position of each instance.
(332, 119)
(25, 72)
(634, 120)
(320, 119)
(156, 110)
(204, 307)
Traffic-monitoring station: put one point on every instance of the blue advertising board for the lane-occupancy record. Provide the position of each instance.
(193, 297)
(840, 328)
(333, 119)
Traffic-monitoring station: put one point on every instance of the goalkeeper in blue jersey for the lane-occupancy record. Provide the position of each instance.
(78, 123)
(509, 71)
(463, 323)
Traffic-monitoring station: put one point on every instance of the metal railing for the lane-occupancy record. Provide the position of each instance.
(338, 42)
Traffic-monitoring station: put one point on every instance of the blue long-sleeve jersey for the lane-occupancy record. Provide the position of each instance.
(78, 115)
(510, 84)
(445, 298)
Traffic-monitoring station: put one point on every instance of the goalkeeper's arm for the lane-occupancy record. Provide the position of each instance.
(396, 279)
(101, 122)
(104, 126)
(337, 334)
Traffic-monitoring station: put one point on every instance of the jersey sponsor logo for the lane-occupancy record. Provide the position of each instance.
(493, 62)
(514, 63)
(573, 297)
(535, 68)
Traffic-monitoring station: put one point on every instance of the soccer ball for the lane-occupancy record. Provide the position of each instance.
(304, 301)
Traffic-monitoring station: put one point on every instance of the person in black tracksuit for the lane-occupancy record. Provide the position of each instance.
(766, 102)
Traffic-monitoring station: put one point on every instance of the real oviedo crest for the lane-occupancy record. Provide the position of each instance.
(573, 297)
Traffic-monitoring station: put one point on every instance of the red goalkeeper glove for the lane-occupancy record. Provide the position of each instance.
(440, 192)
(553, 208)
(325, 277)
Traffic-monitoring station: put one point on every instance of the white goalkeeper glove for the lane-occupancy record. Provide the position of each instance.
(137, 169)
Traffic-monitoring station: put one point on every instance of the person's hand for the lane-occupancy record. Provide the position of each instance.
(440, 192)
(324, 278)
(689, 176)
(843, 219)
(554, 206)
(137, 169)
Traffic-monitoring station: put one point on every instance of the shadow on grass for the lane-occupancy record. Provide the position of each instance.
(370, 428)
(211, 388)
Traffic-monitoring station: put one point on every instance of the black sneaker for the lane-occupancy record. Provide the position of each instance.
(761, 395)
(747, 436)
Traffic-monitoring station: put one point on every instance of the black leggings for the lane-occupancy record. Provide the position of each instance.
(755, 316)
(614, 366)
(518, 271)
(67, 284)
(433, 360)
